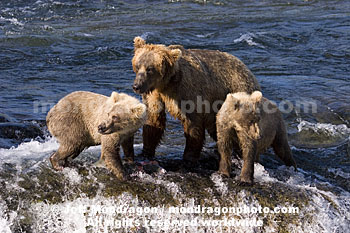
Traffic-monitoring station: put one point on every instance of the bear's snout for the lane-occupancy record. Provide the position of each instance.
(102, 128)
(136, 87)
(139, 85)
(139, 88)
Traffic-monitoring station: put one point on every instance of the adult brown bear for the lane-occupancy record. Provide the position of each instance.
(191, 84)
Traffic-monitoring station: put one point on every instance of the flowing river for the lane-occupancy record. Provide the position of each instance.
(298, 50)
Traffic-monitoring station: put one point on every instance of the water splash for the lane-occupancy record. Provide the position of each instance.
(5, 221)
(325, 128)
(249, 39)
(13, 21)
(33, 150)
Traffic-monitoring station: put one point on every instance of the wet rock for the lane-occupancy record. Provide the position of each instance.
(312, 140)
(5, 118)
(46, 187)
(151, 167)
(19, 131)
(14, 133)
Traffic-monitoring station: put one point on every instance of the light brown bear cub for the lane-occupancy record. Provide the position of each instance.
(82, 119)
(256, 124)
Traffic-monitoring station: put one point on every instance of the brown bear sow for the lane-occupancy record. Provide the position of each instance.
(82, 119)
(258, 124)
(191, 84)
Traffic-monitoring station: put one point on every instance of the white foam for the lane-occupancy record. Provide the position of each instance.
(326, 217)
(6, 220)
(261, 175)
(219, 184)
(249, 39)
(4, 226)
(145, 35)
(89, 35)
(72, 175)
(12, 20)
(339, 172)
(29, 150)
(329, 129)
(172, 187)
(205, 35)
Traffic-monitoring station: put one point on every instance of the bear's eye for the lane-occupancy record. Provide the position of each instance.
(150, 69)
(137, 67)
(115, 118)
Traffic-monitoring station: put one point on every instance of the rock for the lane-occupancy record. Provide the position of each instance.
(5, 118)
(19, 131)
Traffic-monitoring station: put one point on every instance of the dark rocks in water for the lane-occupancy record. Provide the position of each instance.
(207, 163)
(14, 133)
(5, 118)
(19, 131)
(309, 139)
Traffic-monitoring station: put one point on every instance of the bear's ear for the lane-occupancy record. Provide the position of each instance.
(113, 98)
(175, 54)
(139, 42)
(235, 102)
(138, 110)
(256, 96)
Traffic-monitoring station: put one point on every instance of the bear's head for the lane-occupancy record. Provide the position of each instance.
(154, 64)
(245, 112)
(123, 114)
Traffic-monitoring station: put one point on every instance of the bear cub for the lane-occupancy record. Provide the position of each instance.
(255, 124)
(82, 119)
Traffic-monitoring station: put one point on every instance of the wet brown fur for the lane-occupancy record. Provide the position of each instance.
(75, 120)
(180, 75)
(257, 124)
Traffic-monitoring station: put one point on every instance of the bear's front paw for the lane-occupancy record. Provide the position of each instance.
(121, 176)
(244, 181)
(223, 175)
(149, 154)
(190, 165)
(57, 165)
(191, 156)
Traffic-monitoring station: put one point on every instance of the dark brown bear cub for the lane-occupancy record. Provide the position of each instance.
(191, 84)
(257, 124)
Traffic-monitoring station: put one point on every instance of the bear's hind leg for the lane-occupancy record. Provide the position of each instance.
(59, 158)
(195, 134)
(212, 132)
(282, 150)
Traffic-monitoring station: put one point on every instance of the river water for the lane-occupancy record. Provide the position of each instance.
(298, 50)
